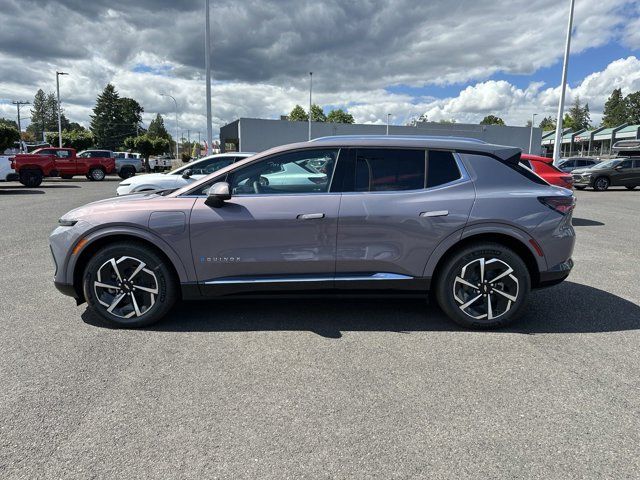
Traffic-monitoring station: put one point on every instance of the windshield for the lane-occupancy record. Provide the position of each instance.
(609, 164)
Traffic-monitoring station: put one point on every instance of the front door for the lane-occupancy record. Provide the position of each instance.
(403, 203)
(279, 234)
(65, 162)
(623, 173)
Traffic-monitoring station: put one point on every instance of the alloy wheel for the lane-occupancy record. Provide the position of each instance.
(485, 288)
(97, 174)
(126, 287)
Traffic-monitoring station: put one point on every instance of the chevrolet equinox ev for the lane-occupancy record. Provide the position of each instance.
(365, 215)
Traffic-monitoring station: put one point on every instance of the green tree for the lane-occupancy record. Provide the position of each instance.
(580, 117)
(547, 123)
(615, 109)
(340, 116)
(8, 136)
(317, 114)
(298, 114)
(107, 119)
(52, 114)
(567, 122)
(452, 120)
(633, 108)
(78, 139)
(11, 123)
(492, 120)
(131, 112)
(147, 145)
(157, 128)
(38, 115)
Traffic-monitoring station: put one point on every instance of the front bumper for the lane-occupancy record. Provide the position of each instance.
(582, 180)
(124, 190)
(555, 274)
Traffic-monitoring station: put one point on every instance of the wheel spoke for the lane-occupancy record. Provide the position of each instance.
(464, 282)
(135, 305)
(105, 285)
(114, 265)
(502, 275)
(470, 302)
(489, 308)
(115, 302)
(137, 270)
(505, 295)
(146, 289)
(481, 269)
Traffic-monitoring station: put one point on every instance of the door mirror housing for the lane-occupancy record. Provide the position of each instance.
(186, 174)
(218, 194)
(618, 167)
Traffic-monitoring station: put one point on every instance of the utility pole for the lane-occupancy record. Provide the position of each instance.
(59, 107)
(533, 117)
(557, 144)
(18, 104)
(310, 91)
(207, 63)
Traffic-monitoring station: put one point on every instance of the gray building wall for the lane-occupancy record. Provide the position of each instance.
(256, 135)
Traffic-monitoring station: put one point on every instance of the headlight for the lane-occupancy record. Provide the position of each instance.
(67, 222)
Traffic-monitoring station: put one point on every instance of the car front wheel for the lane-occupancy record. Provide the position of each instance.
(129, 285)
(601, 184)
(483, 285)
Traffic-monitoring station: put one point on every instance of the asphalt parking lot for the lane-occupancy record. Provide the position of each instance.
(320, 389)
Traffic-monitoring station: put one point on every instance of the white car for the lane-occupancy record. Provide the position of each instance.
(181, 176)
(7, 174)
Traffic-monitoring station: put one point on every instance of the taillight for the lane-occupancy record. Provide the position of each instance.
(562, 205)
(568, 179)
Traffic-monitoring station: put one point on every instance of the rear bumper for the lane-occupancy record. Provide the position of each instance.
(556, 274)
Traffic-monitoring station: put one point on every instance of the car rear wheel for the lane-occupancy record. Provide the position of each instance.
(483, 285)
(30, 178)
(126, 172)
(601, 184)
(129, 285)
(97, 174)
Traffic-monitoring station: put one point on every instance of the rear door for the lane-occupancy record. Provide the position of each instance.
(623, 173)
(397, 207)
(636, 172)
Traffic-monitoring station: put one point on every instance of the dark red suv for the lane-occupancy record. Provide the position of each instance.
(544, 167)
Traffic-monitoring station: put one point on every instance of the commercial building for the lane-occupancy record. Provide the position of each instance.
(256, 134)
(597, 141)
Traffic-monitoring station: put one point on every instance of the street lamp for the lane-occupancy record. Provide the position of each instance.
(59, 116)
(207, 64)
(18, 104)
(310, 90)
(388, 117)
(176, 104)
(557, 144)
(533, 116)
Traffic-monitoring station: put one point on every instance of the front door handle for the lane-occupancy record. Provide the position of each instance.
(310, 216)
(435, 213)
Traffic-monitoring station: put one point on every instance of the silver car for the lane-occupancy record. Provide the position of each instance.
(458, 218)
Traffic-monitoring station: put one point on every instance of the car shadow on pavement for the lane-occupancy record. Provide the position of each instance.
(20, 187)
(585, 222)
(20, 192)
(566, 308)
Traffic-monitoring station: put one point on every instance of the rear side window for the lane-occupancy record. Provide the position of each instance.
(441, 168)
(383, 170)
(636, 163)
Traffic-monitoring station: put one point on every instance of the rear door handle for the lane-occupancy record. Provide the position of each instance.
(310, 216)
(435, 213)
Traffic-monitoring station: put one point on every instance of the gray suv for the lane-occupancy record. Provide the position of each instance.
(375, 216)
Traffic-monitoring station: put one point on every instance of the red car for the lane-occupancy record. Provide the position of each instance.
(59, 162)
(544, 167)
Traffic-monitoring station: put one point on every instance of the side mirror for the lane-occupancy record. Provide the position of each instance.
(618, 167)
(218, 193)
(186, 174)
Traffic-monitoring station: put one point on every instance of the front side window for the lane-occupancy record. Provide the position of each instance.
(382, 170)
(62, 153)
(84, 155)
(212, 165)
(625, 164)
(305, 171)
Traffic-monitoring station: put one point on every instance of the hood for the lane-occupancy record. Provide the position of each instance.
(581, 170)
(104, 208)
(147, 177)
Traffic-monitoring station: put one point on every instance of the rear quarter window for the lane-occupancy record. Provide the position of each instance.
(491, 172)
(441, 168)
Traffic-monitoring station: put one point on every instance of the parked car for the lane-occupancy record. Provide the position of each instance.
(572, 163)
(544, 167)
(59, 162)
(390, 216)
(181, 176)
(128, 164)
(624, 172)
(7, 173)
(161, 164)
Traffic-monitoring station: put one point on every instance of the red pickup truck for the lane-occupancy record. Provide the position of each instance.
(59, 162)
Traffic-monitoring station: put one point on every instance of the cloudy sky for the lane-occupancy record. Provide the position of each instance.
(450, 59)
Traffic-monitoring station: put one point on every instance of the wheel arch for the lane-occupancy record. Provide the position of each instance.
(101, 239)
(518, 244)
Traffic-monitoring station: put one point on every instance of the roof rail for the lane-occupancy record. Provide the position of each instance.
(397, 137)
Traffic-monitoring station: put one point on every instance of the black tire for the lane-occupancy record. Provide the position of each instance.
(128, 257)
(97, 174)
(31, 178)
(600, 184)
(581, 187)
(126, 172)
(498, 259)
(66, 177)
(89, 177)
(630, 187)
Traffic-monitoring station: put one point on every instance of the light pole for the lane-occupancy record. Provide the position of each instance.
(388, 117)
(207, 64)
(557, 144)
(310, 90)
(176, 104)
(59, 116)
(18, 104)
(533, 116)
